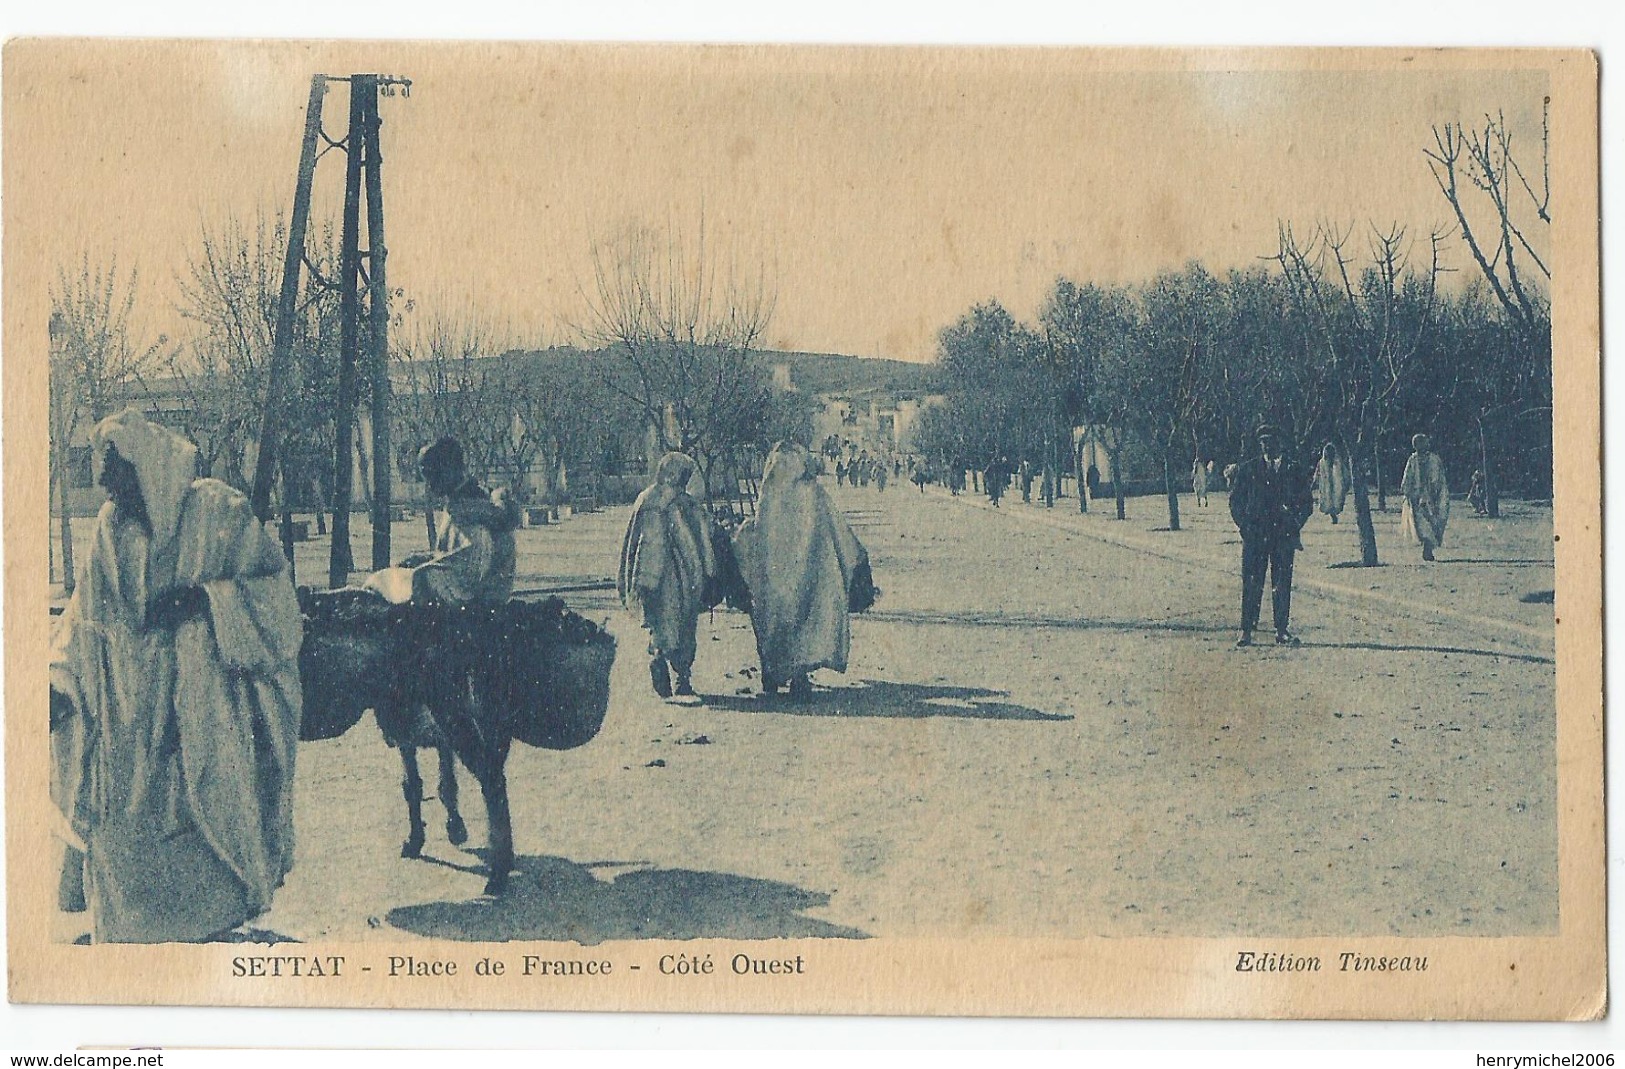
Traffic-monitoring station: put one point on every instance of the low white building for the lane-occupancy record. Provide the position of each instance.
(877, 421)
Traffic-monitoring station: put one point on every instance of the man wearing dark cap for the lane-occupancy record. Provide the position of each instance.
(1270, 502)
(474, 554)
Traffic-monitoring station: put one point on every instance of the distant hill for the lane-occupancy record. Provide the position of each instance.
(811, 373)
(835, 373)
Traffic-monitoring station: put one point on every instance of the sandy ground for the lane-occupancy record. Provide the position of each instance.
(1044, 732)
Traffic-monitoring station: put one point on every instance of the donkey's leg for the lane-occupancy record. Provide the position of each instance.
(494, 785)
(456, 830)
(412, 787)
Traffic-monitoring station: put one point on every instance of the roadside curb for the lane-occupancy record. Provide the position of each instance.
(1323, 587)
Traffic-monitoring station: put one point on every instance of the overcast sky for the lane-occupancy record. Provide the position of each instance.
(886, 191)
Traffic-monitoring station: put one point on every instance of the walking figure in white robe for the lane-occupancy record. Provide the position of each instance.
(798, 557)
(1331, 481)
(1427, 497)
(666, 561)
(175, 701)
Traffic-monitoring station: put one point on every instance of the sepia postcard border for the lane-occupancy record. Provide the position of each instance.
(1562, 977)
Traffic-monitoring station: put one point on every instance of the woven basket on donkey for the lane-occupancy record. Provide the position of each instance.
(352, 659)
(553, 677)
(536, 669)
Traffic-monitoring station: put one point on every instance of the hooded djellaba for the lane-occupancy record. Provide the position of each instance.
(1427, 497)
(175, 701)
(1331, 481)
(806, 570)
(667, 561)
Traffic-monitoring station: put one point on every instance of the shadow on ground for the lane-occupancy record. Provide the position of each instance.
(1023, 621)
(555, 900)
(1513, 562)
(879, 698)
(1529, 658)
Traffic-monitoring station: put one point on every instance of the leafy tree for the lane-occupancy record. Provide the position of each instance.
(1169, 366)
(1086, 328)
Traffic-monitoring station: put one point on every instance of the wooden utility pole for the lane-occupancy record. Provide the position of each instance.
(270, 441)
(339, 560)
(383, 455)
(363, 160)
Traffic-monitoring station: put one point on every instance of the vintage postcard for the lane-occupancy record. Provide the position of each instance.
(1022, 532)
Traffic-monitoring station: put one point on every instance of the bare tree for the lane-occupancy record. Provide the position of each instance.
(682, 325)
(228, 295)
(1479, 174)
(1485, 158)
(455, 381)
(96, 353)
(64, 413)
(1369, 329)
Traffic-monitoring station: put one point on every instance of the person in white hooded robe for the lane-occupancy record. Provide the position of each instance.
(666, 561)
(1331, 481)
(1427, 497)
(175, 700)
(798, 556)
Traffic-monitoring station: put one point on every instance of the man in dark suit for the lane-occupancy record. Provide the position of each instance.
(1270, 502)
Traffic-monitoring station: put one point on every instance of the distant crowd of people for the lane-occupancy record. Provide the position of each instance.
(863, 469)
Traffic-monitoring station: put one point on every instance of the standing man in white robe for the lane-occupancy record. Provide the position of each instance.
(175, 700)
(1427, 497)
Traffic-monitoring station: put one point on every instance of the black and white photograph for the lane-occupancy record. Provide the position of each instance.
(803, 529)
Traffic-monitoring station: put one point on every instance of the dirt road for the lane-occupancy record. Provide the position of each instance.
(1044, 732)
